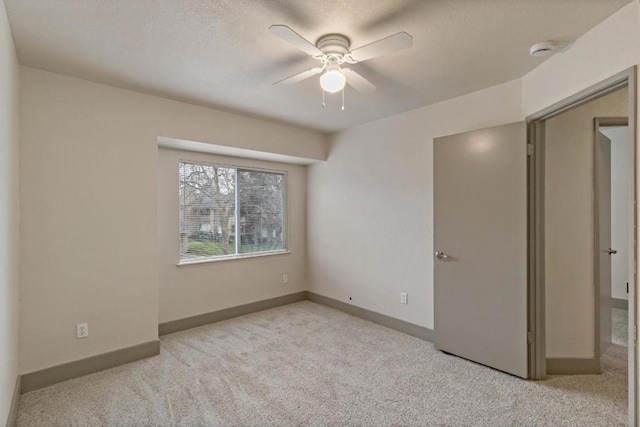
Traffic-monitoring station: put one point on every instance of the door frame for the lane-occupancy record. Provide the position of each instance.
(535, 174)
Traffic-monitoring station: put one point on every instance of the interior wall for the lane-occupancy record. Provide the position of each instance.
(569, 225)
(621, 179)
(201, 288)
(89, 223)
(370, 208)
(9, 87)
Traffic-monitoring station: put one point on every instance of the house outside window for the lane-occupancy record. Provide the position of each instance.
(228, 211)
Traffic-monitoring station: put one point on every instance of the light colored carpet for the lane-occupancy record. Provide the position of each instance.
(306, 364)
(619, 326)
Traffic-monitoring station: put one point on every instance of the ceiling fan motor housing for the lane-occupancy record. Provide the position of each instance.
(336, 44)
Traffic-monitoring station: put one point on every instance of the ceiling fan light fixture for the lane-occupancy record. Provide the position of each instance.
(333, 81)
(333, 51)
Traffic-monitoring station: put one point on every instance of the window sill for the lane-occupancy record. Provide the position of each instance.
(232, 258)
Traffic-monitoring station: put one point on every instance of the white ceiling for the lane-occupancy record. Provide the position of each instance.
(220, 53)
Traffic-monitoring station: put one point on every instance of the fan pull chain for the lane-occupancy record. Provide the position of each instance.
(343, 99)
(323, 103)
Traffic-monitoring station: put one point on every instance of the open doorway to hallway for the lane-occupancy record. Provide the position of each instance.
(578, 231)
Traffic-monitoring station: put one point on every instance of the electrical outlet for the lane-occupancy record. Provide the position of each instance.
(82, 330)
(285, 278)
(403, 298)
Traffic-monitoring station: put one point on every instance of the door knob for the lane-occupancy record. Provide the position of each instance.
(442, 255)
(612, 251)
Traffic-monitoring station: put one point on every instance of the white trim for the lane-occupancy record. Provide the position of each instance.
(232, 257)
(231, 165)
(236, 213)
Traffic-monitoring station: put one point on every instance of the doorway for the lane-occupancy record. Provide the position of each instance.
(571, 305)
(615, 175)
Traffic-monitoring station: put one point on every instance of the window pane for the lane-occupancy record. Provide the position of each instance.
(207, 211)
(261, 201)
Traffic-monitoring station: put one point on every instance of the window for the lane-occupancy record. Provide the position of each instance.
(227, 211)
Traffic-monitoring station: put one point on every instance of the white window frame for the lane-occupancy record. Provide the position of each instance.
(237, 255)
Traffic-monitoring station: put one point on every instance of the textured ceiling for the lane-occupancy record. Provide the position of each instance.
(221, 53)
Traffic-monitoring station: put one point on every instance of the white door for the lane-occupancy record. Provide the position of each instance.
(480, 239)
(603, 194)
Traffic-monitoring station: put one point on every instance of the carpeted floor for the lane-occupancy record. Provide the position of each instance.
(306, 364)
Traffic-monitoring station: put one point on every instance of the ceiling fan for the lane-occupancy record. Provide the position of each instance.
(332, 50)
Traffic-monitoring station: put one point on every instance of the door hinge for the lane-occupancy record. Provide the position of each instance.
(529, 149)
(635, 334)
(530, 338)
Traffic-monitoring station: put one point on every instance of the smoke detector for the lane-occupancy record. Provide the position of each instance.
(542, 49)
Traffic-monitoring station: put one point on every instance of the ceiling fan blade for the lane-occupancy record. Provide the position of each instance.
(300, 76)
(381, 47)
(358, 82)
(287, 34)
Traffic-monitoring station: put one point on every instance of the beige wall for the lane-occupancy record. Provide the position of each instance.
(569, 225)
(9, 84)
(189, 290)
(370, 208)
(88, 236)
